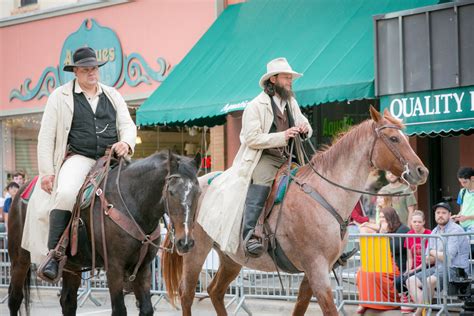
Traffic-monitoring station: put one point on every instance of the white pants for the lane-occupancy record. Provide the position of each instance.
(71, 176)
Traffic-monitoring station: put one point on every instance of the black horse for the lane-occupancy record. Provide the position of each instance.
(147, 188)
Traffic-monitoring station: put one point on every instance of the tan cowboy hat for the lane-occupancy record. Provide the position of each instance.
(278, 66)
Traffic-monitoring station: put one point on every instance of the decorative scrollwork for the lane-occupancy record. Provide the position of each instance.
(136, 70)
(135, 64)
(48, 81)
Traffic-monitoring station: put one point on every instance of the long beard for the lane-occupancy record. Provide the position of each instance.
(284, 94)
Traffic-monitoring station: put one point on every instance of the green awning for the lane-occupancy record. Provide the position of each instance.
(330, 41)
(445, 112)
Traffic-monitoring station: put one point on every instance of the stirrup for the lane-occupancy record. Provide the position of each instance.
(342, 261)
(59, 258)
(251, 245)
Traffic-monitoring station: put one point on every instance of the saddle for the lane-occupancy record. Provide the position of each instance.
(78, 231)
(75, 233)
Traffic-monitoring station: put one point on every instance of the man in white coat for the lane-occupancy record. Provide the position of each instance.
(81, 119)
(269, 122)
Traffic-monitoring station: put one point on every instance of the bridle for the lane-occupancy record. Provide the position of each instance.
(391, 147)
(170, 225)
(393, 150)
(129, 224)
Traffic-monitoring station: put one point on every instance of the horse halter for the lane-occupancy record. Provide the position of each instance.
(396, 153)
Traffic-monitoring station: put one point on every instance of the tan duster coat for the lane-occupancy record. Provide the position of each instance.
(222, 207)
(52, 142)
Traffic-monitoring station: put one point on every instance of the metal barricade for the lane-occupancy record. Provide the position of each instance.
(375, 256)
(374, 270)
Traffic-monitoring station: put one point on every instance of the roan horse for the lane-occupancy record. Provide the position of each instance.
(162, 183)
(308, 233)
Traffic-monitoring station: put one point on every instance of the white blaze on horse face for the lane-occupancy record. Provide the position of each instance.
(187, 190)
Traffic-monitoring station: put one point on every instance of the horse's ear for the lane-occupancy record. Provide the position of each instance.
(197, 160)
(386, 113)
(172, 162)
(374, 114)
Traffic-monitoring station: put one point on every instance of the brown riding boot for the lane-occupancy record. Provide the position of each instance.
(58, 221)
(254, 203)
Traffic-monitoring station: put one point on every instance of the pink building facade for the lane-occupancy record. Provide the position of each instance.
(141, 39)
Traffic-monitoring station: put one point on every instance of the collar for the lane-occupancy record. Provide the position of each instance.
(78, 89)
(443, 230)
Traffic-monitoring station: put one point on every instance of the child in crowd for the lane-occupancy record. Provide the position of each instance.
(12, 189)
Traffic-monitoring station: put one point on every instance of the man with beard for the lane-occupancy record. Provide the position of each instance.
(276, 104)
(458, 251)
(269, 122)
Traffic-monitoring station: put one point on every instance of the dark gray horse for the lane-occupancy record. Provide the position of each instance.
(148, 188)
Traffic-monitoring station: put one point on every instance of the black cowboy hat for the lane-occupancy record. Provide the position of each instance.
(444, 205)
(84, 57)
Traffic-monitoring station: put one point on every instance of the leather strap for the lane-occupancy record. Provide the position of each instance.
(306, 188)
(133, 230)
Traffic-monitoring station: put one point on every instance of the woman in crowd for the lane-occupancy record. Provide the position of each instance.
(371, 226)
(376, 282)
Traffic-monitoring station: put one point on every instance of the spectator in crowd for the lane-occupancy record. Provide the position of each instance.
(19, 177)
(379, 286)
(458, 250)
(12, 189)
(404, 205)
(465, 200)
(381, 203)
(415, 251)
(2, 202)
(358, 215)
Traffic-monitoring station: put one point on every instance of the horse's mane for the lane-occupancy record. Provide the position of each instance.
(345, 142)
(342, 144)
(144, 165)
(156, 160)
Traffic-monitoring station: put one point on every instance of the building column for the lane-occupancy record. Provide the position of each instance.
(217, 148)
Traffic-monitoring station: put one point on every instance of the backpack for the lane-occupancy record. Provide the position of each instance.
(463, 192)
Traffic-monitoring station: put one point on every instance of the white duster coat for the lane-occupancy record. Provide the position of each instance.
(52, 142)
(222, 207)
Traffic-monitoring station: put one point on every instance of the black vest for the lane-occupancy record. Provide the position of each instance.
(92, 133)
(281, 122)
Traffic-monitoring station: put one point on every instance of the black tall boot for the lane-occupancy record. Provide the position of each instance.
(254, 203)
(58, 220)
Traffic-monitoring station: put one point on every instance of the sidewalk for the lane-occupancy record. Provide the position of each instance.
(47, 304)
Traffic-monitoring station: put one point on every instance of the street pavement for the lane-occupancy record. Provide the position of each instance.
(47, 304)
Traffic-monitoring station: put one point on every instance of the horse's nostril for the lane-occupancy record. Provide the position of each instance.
(191, 243)
(421, 171)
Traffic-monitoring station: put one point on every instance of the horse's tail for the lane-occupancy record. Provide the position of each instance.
(172, 267)
(26, 291)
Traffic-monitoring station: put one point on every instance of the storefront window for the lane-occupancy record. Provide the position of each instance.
(20, 138)
(186, 141)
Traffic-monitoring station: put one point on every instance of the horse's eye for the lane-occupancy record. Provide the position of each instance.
(394, 139)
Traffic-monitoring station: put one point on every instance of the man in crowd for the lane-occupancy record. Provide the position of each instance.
(19, 177)
(456, 253)
(82, 119)
(404, 205)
